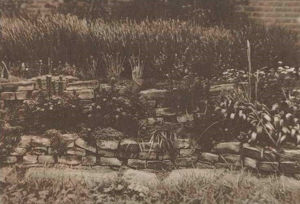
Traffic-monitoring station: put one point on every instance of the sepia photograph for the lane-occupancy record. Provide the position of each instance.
(149, 101)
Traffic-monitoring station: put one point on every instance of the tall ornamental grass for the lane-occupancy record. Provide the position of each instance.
(162, 46)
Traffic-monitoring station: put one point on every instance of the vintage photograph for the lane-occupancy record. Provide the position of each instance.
(149, 101)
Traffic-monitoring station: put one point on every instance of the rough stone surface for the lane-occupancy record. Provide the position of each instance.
(69, 137)
(154, 93)
(19, 151)
(209, 157)
(46, 159)
(186, 152)
(186, 162)
(69, 160)
(8, 96)
(160, 165)
(8, 160)
(21, 95)
(290, 167)
(230, 158)
(84, 145)
(137, 163)
(250, 163)
(76, 151)
(182, 143)
(42, 141)
(257, 153)
(290, 155)
(39, 151)
(270, 167)
(107, 144)
(89, 160)
(30, 159)
(85, 94)
(227, 147)
(104, 161)
(107, 153)
(129, 145)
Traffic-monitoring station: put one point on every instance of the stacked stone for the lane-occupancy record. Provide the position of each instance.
(222, 155)
(186, 154)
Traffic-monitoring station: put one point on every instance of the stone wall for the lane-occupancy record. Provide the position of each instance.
(135, 153)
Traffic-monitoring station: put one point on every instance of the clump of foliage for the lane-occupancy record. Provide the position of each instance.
(110, 109)
(161, 46)
(57, 143)
(55, 112)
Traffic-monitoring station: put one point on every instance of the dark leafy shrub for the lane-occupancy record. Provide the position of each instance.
(110, 109)
(9, 137)
(56, 112)
(57, 143)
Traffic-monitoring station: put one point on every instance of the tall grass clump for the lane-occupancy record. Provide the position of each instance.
(163, 46)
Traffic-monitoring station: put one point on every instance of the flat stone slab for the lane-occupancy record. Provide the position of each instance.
(128, 145)
(182, 143)
(186, 152)
(290, 167)
(8, 160)
(290, 155)
(187, 161)
(270, 167)
(19, 151)
(69, 160)
(89, 160)
(154, 93)
(104, 161)
(85, 94)
(76, 151)
(209, 157)
(160, 165)
(227, 147)
(46, 159)
(250, 163)
(30, 159)
(137, 163)
(84, 145)
(107, 144)
(258, 153)
(8, 96)
(164, 112)
(230, 158)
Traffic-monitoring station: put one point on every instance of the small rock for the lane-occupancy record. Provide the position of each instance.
(69, 160)
(148, 155)
(137, 164)
(251, 163)
(206, 156)
(186, 152)
(84, 145)
(46, 159)
(106, 153)
(39, 151)
(85, 94)
(227, 147)
(104, 161)
(290, 167)
(160, 165)
(164, 112)
(107, 144)
(290, 155)
(154, 93)
(30, 159)
(76, 151)
(42, 141)
(8, 160)
(19, 151)
(89, 160)
(187, 161)
(257, 153)
(182, 143)
(270, 167)
(21, 95)
(230, 158)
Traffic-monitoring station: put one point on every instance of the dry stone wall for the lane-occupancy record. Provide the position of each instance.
(35, 150)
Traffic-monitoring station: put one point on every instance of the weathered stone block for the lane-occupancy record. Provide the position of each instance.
(104, 161)
(8, 160)
(40, 141)
(128, 145)
(107, 153)
(183, 143)
(164, 112)
(89, 160)
(46, 159)
(84, 145)
(270, 167)
(227, 147)
(30, 159)
(230, 158)
(160, 165)
(21, 95)
(91, 84)
(85, 94)
(257, 153)
(250, 163)
(39, 150)
(137, 164)
(26, 86)
(209, 157)
(290, 155)
(8, 96)
(290, 167)
(19, 151)
(201, 165)
(69, 137)
(148, 155)
(9, 87)
(187, 161)
(76, 151)
(154, 93)
(69, 160)
(107, 144)
(186, 152)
